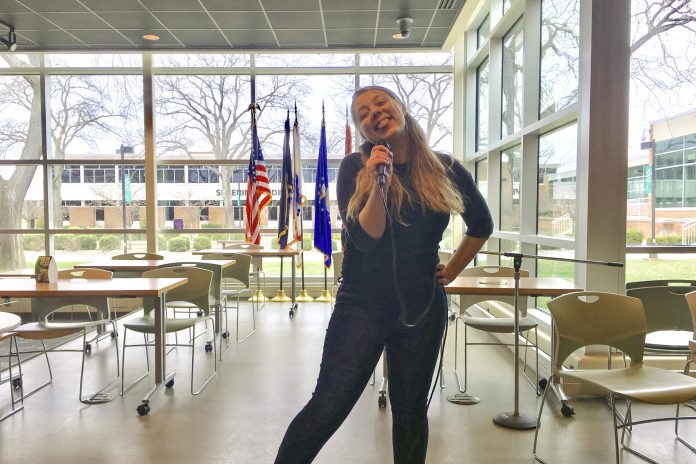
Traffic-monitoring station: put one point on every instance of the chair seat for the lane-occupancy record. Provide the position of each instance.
(640, 383)
(499, 324)
(42, 331)
(667, 350)
(147, 324)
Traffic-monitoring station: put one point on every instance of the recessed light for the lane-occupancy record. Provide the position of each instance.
(151, 37)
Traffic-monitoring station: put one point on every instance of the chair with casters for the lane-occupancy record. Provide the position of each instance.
(8, 321)
(86, 273)
(236, 282)
(256, 271)
(667, 312)
(140, 255)
(216, 299)
(443, 258)
(491, 323)
(49, 330)
(195, 291)
(661, 283)
(618, 321)
(337, 267)
(691, 301)
(135, 256)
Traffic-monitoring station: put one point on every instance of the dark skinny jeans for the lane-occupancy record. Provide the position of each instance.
(355, 338)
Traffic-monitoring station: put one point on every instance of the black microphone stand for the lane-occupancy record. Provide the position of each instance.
(515, 420)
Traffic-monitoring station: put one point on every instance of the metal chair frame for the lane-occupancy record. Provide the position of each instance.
(195, 291)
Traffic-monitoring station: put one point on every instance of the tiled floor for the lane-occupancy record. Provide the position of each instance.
(260, 386)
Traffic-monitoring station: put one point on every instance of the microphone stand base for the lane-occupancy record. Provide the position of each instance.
(463, 398)
(517, 421)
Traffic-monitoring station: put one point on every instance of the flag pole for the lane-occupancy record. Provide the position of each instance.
(326, 295)
(303, 297)
(285, 198)
(258, 296)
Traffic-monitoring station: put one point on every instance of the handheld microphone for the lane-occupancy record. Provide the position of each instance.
(382, 169)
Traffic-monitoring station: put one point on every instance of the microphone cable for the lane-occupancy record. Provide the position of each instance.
(395, 277)
(420, 318)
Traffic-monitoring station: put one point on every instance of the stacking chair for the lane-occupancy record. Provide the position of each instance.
(15, 382)
(195, 291)
(47, 330)
(257, 271)
(618, 321)
(499, 325)
(216, 298)
(138, 256)
(337, 265)
(666, 309)
(235, 282)
(691, 301)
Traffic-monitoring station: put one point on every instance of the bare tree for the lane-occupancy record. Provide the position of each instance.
(668, 66)
(213, 109)
(427, 96)
(26, 92)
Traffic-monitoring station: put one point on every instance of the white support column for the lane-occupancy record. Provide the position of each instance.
(602, 141)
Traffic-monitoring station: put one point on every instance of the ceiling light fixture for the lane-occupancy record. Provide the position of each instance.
(404, 27)
(151, 37)
(11, 41)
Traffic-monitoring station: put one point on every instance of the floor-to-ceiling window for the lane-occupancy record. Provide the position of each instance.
(79, 185)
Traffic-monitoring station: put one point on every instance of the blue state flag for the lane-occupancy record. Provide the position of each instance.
(286, 188)
(322, 219)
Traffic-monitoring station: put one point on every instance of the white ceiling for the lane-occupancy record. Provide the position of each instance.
(225, 24)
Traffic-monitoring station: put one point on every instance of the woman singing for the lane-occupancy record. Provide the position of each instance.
(375, 311)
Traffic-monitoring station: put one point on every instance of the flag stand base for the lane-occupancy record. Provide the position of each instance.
(258, 297)
(325, 297)
(281, 297)
(304, 297)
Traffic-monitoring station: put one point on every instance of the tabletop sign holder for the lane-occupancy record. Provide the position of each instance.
(45, 270)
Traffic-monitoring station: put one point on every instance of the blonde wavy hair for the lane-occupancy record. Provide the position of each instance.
(426, 173)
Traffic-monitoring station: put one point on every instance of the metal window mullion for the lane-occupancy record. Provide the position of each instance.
(44, 86)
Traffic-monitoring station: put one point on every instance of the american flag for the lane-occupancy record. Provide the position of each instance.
(258, 190)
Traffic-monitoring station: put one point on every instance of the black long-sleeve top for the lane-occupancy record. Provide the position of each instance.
(368, 262)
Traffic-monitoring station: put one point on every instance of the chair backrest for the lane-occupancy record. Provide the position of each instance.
(240, 247)
(661, 283)
(466, 301)
(444, 256)
(337, 265)
(196, 291)
(101, 304)
(691, 301)
(138, 256)
(85, 273)
(215, 283)
(244, 246)
(598, 318)
(666, 308)
(238, 271)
